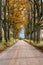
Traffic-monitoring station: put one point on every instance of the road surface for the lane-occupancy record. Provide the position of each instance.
(21, 53)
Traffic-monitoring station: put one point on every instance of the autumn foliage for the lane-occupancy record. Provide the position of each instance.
(18, 12)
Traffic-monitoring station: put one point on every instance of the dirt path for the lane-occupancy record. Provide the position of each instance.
(21, 54)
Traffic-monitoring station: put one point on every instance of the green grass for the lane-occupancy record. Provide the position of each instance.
(4, 45)
(38, 45)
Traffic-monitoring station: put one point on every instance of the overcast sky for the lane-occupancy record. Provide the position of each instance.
(22, 35)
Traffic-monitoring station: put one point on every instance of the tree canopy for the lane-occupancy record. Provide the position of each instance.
(18, 12)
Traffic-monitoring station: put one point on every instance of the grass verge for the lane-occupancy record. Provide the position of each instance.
(4, 45)
(38, 45)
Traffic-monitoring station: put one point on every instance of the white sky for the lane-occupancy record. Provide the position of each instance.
(22, 35)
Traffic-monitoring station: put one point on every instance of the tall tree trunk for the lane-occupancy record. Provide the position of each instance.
(8, 21)
(5, 23)
(38, 27)
(0, 31)
(0, 22)
(5, 31)
(34, 20)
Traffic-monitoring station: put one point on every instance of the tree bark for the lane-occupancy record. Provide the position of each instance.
(0, 22)
(8, 33)
(38, 26)
(5, 31)
(0, 31)
(34, 20)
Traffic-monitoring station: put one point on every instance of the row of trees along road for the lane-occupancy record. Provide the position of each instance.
(13, 14)
(36, 14)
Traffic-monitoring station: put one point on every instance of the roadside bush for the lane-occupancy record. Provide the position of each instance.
(2, 46)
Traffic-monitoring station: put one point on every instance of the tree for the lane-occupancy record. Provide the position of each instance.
(0, 21)
(5, 22)
(18, 13)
